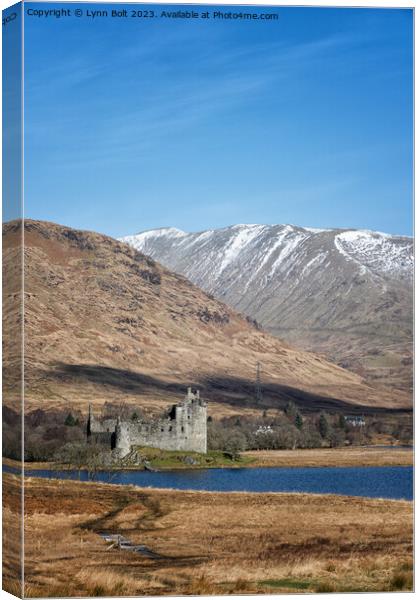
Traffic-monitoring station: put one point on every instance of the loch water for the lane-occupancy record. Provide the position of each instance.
(373, 482)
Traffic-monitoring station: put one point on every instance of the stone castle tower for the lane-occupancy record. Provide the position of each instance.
(185, 428)
(122, 437)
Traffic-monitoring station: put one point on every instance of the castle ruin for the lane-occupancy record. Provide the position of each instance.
(184, 428)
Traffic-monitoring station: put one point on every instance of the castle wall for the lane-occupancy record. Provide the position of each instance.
(185, 429)
(103, 426)
(188, 431)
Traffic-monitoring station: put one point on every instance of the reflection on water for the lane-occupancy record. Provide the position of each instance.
(374, 482)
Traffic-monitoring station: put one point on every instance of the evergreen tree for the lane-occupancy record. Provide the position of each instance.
(324, 426)
(298, 420)
(70, 421)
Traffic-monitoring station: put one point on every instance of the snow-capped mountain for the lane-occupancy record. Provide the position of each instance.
(343, 292)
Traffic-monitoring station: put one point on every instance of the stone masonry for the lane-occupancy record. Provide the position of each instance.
(185, 428)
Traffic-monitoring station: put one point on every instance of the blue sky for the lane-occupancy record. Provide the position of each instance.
(141, 123)
(12, 116)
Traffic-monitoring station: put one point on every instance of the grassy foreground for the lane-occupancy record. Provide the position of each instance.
(209, 543)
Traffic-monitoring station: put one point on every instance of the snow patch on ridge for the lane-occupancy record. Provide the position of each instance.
(375, 251)
(316, 229)
(246, 233)
(276, 244)
(268, 250)
(153, 233)
(314, 262)
(289, 246)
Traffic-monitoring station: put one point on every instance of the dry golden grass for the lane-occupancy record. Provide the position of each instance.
(209, 543)
(12, 548)
(332, 457)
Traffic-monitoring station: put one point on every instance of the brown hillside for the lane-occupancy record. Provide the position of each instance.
(105, 323)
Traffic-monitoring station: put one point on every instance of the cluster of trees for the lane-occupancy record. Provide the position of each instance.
(90, 458)
(47, 432)
(289, 429)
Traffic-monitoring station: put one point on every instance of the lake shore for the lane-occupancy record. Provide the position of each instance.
(353, 456)
(207, 543)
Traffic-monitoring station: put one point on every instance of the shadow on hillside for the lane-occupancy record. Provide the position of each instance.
(124, 380)
(234, 391)
(278, 395)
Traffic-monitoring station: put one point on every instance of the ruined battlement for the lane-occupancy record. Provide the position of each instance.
(185, 428)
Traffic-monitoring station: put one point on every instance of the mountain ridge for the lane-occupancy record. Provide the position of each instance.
(105, 323)
(319, 289)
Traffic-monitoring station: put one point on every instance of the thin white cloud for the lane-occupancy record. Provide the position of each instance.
(228, 80)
